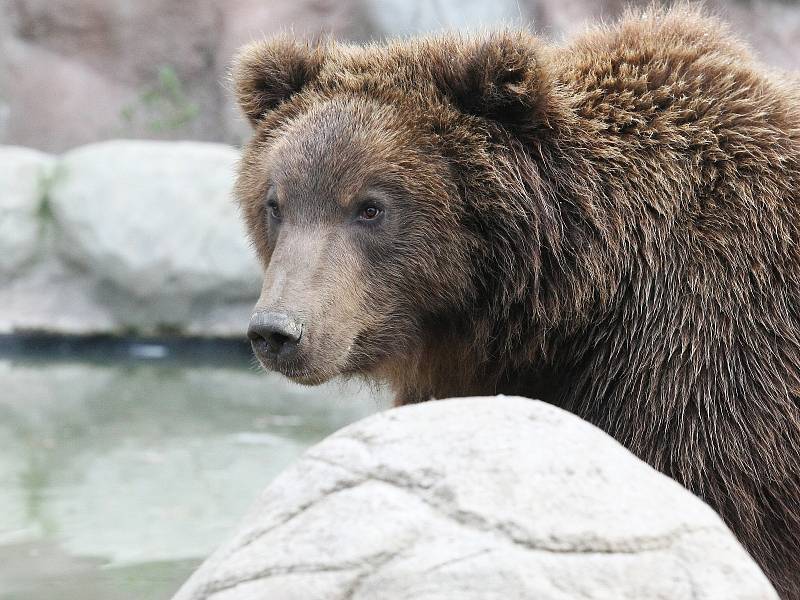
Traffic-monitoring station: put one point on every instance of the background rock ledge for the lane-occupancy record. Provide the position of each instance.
(124, 237)
(477, 498)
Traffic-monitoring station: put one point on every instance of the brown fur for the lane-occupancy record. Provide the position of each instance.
(612, 226)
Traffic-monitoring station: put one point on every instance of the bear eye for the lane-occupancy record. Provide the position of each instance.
(369, 212)
(274, 209)
(272, 203)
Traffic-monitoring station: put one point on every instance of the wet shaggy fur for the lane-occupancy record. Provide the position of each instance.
(612, 226)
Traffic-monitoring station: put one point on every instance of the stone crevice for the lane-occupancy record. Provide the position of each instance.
(475, 521)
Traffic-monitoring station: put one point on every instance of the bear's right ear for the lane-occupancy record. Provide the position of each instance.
(499, 76)
(267, 73)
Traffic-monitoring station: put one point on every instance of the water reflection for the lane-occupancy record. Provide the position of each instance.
(116, 479)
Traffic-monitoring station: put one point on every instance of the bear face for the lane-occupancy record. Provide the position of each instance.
(367, 243)
(341, 226)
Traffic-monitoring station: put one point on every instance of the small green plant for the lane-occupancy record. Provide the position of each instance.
(162, 106)
(46, 180)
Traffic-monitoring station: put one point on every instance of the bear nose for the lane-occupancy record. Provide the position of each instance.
(274, 332)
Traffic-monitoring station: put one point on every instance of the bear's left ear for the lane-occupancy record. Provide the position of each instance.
(498, 76)
(269, 72)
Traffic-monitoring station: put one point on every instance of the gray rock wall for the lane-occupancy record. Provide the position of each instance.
(124, 237)
(72, 73)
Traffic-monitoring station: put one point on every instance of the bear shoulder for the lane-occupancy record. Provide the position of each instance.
(673, 37)
(660, 69)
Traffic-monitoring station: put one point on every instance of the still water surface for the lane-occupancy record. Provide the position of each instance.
(119, 475)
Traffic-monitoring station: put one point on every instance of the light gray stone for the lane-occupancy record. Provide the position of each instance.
(156, 224)
(477, 498)
(140, 237)
(24, 176)
(31, 305)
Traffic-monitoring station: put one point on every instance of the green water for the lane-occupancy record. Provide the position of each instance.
(116, 480)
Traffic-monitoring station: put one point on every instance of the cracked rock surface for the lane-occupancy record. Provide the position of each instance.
(476, 498)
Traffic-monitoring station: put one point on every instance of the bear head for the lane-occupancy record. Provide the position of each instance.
(370, 194)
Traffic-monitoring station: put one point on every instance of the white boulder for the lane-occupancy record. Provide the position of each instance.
(137, 237)
(477, 498)
(156, 218)
(24, 178)
(156, 227)
(52, 297)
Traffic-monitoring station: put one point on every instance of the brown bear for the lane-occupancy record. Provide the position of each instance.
(612, 226)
